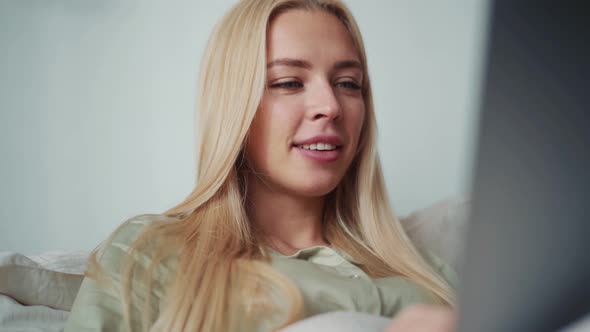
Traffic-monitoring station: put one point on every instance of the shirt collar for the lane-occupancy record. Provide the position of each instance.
(319, 250)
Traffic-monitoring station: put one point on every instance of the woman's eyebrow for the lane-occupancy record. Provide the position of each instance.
(345, 64)
(289, 62)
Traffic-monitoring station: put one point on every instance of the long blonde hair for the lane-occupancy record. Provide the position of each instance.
(223, 276)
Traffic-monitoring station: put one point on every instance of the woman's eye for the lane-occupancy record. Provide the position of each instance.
(287, 85)
(348, 85)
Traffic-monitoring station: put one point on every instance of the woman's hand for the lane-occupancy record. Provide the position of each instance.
(424, 318)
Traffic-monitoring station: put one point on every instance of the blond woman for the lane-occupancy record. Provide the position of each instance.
(289, 217)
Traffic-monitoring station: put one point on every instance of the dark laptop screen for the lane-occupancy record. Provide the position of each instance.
(527, 265)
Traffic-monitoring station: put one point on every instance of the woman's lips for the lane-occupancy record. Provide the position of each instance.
(320, 155)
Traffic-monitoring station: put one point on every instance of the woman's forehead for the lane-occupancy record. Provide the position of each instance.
(309, 35)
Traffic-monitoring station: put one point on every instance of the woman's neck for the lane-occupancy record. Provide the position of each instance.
(289, 222)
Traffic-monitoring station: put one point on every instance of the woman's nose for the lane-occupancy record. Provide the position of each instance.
(324, 103)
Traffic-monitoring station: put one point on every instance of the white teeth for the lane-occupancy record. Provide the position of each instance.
(318, 146)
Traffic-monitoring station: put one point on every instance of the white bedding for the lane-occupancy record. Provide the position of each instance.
(15, 317)
(36, 292)
(73, 262)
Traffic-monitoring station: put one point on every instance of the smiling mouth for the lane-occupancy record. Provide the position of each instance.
(319, 153)
(319, 147)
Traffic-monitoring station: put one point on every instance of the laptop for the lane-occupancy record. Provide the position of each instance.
(527, 254)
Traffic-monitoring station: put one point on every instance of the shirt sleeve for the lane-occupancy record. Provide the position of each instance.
(98, 305)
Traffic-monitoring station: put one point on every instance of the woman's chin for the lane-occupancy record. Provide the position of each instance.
(315, 189)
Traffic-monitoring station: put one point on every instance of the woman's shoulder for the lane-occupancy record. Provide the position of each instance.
(127, 232)
(99, 304)
(131, 228)
(121, 253)
(118, 245)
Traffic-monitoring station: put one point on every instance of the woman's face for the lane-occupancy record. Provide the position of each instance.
(306, 130)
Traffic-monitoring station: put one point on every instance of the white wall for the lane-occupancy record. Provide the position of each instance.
(97, 100)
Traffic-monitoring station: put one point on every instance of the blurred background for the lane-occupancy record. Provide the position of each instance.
(97, 106)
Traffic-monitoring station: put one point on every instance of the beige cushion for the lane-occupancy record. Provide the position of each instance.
(440, 228)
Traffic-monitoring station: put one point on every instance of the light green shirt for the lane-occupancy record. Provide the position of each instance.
(329, 280)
